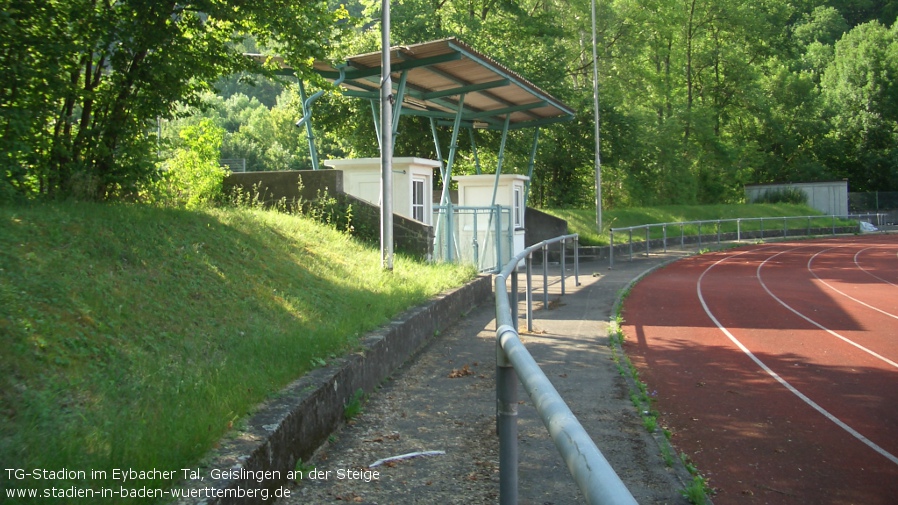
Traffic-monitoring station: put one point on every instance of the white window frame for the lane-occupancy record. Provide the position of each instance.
(419, 209)
(518, 206)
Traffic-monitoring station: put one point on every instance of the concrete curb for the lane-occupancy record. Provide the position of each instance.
(293, 425)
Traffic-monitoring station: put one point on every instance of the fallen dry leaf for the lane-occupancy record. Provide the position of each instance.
(456, 373)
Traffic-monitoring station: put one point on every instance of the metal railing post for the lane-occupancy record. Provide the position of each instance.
(738, 230)
(718, 232)
(664, 236)
(529, 292)
(577, 260)
(506, 421)
(699, 234)
(648, 230)
(563, 254)
(611, 250)
(514, 297)
(476, 244)
(545, 277)
(631, 243)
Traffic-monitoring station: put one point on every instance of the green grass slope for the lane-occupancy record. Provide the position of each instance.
(136, 337)
(583, 221)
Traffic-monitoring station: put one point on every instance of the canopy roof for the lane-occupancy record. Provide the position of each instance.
(432, 77)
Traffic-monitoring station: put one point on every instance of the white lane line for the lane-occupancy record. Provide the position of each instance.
(846, 295)
(867, 271)
(815, 323)
(782, 381)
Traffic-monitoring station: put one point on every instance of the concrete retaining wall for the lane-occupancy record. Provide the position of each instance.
(542, 226)
(294, 425)
(409, 236)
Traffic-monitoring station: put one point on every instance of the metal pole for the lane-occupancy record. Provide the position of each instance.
(386, 143)
(595, 99)
(529, 293)
(506, 420)
(648, 229)
(514, 297)
(545, 277)
(611, 250)
(562, 265)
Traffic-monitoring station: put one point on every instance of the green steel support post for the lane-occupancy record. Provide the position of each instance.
(474, 150)
(436, 144)
(374, 114)
(530, 166)
(307, 122)
(307, 115)
(501, 158)
(400, 96)
(453, 147)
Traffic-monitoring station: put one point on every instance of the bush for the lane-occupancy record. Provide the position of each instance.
(192, 177)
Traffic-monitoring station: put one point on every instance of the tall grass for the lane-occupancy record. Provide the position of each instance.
(136, 337)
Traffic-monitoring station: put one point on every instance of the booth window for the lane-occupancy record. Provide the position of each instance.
(518, 207)
(418, 199)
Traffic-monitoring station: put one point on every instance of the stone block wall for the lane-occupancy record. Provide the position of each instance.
(409, 236)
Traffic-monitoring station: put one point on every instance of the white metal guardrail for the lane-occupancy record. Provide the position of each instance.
(741, 228)
(591, 471)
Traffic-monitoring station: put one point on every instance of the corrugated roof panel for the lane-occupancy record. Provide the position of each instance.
(491, 90)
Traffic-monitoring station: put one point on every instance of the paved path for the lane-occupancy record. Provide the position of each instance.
(444, 400)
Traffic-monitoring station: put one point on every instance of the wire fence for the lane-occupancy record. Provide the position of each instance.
(481, 236)
(700, 233)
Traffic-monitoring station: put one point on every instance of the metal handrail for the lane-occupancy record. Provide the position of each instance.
(784, 230)
(591, 471)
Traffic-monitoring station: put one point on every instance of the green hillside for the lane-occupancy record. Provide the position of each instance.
(583, 221)
(136, 337)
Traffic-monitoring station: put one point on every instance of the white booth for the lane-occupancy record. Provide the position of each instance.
(477, 191)
(412, 183)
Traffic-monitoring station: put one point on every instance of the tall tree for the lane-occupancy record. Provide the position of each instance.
(861, 94)
(117, 66)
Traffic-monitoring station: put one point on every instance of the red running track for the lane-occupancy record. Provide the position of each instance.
(776, 367)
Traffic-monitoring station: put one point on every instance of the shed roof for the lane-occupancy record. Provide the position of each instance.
(438, 72)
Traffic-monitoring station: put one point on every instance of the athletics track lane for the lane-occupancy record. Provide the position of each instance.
(776, 367)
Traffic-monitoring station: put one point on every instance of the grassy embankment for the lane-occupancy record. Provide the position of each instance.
(583, 221)
(137, 337)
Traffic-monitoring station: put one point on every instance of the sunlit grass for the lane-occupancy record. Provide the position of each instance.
(137, 337)
(583, 221)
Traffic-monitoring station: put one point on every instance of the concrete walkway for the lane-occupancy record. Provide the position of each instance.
(444, 400)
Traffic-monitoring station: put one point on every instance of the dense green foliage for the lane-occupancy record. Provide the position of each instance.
(697, 98)
(136, 337)
(85, 82)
